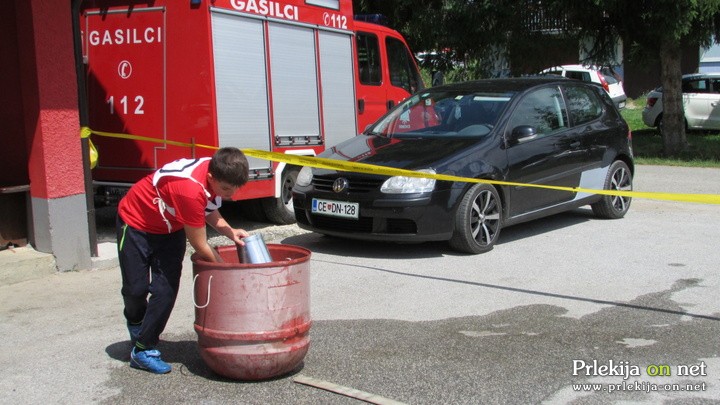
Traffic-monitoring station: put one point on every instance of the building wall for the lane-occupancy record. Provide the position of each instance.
(49, 96)
(41, 126)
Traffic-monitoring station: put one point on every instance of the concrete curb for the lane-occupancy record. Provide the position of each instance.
(107, 256)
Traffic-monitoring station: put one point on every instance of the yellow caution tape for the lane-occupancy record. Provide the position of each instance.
(345, 166)
(85, 131)
(357, 167)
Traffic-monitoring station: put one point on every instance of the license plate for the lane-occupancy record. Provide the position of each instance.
(621, 105)
(335, 208)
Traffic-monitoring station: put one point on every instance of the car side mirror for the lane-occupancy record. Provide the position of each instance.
(522, 134)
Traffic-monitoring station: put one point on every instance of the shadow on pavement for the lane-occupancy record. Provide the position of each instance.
(186, 354)
(393, 250)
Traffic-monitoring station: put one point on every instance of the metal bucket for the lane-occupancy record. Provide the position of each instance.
(253, 320)
(254, 250)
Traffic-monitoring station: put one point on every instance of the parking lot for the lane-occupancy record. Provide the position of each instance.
(560, 302)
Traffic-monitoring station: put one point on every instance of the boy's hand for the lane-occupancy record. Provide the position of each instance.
(237, 235)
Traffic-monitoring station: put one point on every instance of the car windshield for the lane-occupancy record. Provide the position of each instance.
(443, 114)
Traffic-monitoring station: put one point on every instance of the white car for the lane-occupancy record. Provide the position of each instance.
(701, 102)
(602, 76)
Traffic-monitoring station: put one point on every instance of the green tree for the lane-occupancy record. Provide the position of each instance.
(468, 31)
(653, 31)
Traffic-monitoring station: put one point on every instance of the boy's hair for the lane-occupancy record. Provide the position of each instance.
(229, 165)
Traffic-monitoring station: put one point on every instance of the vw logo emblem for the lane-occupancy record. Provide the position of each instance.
(340, 184)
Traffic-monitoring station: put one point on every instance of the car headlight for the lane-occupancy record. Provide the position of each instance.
(304, 177)
(406, 185)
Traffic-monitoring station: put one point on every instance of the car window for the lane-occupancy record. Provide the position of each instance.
(608, 71)
(715, 85)
(582, 76)
(368, 51)
(444, 114)
(610, 79)
(554, 72)
(543, 109)
(583, 104)
(402, 73)
(695, 86)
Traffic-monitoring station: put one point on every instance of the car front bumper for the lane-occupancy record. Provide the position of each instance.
(398, 218)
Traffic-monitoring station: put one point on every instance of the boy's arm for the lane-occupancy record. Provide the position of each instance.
(198, 240)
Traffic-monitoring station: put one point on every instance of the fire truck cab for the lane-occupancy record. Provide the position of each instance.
(289, 76)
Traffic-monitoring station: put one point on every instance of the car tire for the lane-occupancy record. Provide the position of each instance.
(280, 210)
(619, 177)
(478, 220)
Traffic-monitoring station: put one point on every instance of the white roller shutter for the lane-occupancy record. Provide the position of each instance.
(294, 82)
(241, 84)
(338, 83)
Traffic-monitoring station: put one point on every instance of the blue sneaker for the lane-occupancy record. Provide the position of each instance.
(134, 331)
(149, 360)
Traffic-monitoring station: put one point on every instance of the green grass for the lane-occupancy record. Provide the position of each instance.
(703, 149)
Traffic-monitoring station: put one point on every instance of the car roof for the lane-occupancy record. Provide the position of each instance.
(578, 66)
(701, 75)
(512, 84)
(573, 67)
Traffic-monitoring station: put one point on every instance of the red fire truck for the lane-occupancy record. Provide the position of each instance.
(289, 76)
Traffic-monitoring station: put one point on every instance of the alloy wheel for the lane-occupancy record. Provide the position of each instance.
(621, 181)
(485, 218)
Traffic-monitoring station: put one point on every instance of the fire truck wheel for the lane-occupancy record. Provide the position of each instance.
(280, 210)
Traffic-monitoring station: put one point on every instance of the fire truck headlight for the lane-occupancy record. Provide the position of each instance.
(304, 178)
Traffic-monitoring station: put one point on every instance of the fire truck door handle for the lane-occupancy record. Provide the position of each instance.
(361, 106)
(390, 104)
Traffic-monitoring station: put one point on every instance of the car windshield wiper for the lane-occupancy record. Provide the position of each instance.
(426, 134)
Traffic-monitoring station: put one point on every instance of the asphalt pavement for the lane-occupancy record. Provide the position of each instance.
(420, 324)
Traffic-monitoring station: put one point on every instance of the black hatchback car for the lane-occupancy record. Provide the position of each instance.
(535, 130)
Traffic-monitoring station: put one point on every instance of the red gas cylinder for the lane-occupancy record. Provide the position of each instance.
(253, 320)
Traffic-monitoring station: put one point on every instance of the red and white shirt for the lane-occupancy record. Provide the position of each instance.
(172, 197)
